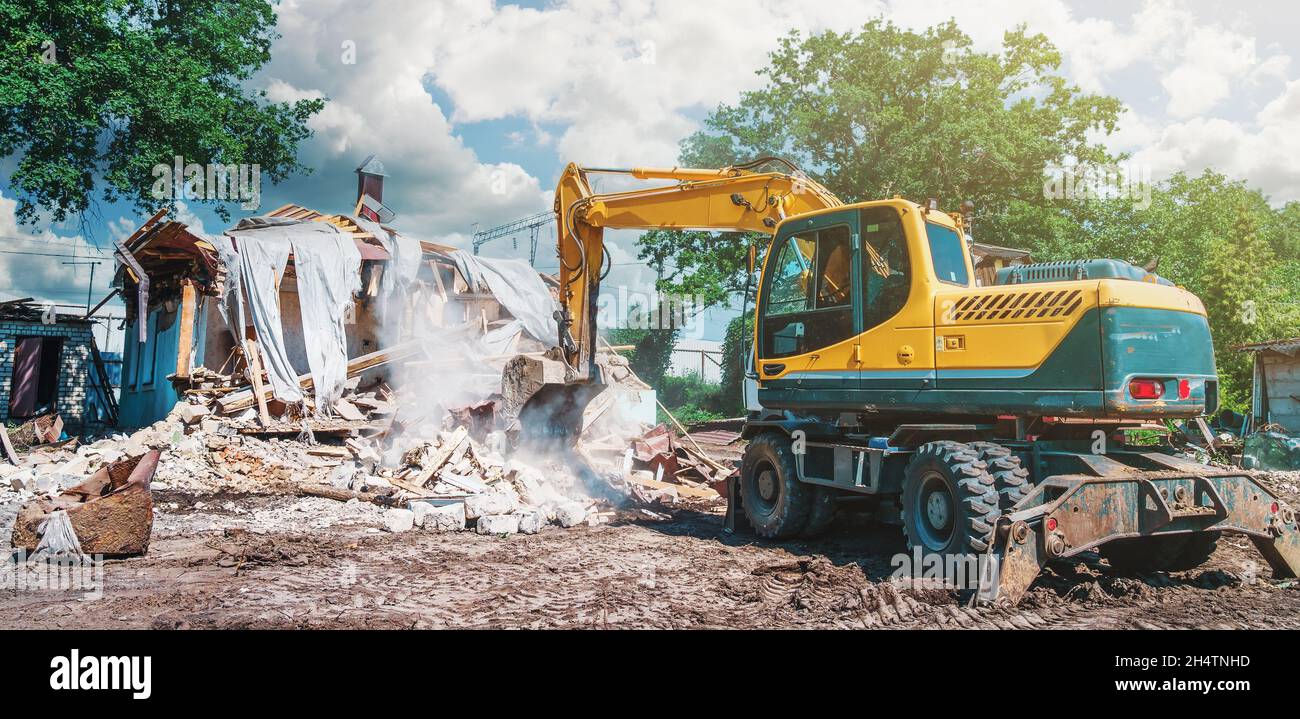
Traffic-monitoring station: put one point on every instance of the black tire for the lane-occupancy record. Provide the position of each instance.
(1010, 479)
(952, 472)
(776, 503)
(1166, 553)
(822, 510)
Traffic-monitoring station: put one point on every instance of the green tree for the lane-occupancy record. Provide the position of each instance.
(653, 353)
(887, 111)
(1241, 306)
(104, 90)
(739, 335)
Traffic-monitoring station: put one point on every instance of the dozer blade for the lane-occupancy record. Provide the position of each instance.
(1067, 515)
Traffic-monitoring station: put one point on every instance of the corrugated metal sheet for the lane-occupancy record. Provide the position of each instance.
(1287, 346)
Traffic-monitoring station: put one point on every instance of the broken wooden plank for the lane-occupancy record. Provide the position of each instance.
(348, 411)
(329, 491)
(10, 453)
(444, 453)
(185, 343)
(254, 360)
(324, 451)
(682, 489)
(242, 400)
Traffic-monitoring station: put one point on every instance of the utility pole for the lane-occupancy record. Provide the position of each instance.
(90, 288)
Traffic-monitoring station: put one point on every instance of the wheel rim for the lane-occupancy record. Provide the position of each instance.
(935, 511)
(766, 486)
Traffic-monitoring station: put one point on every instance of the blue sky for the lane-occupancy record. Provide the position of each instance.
(475, 106)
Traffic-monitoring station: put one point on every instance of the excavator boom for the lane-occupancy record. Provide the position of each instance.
(726, 199)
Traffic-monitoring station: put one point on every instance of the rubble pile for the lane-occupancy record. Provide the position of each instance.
(421, 465)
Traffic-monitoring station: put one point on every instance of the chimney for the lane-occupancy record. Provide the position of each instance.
(370, 183)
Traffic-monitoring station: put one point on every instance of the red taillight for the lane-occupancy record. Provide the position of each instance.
(1051, 524)
(1184, 389)
(1145, 389)
(1274, 508)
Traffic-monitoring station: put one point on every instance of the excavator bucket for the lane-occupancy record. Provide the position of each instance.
(553, 414)
(111, 512)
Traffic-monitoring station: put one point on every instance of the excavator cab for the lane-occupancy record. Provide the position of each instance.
(842, 306)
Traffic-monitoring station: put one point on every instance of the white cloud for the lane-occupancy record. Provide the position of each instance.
(1260, 150)
(380, 105)
(32, 263)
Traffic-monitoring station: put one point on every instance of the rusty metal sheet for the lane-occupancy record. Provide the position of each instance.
(111, 512)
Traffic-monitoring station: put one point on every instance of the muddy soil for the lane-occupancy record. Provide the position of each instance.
(239, 560)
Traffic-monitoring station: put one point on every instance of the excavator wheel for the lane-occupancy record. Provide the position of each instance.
(1009, 477)
(822, 512)
(1163, 553)
(950, 504)
(776, 503)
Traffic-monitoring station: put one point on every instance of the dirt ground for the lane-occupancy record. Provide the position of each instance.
(268, 561)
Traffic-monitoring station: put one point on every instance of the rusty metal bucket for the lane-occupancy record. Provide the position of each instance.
(111, 512)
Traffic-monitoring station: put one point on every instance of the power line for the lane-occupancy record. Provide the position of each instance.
(50, 254)
(37, 241)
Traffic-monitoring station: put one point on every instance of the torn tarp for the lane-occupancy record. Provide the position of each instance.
(231, 302)
(328, 269)
(406, 255)
(518, 288)
(262, 258)
(326, 262)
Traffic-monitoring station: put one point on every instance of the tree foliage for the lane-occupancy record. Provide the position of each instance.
(887, 111)
(653, 353)
(104, 90)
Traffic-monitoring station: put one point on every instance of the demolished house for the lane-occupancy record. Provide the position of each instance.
(311, 292)
(332, 358)
(51, 372)
(988, 259)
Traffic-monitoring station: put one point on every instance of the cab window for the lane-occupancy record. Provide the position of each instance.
(947, 253)
(889, 280)
(809, 302)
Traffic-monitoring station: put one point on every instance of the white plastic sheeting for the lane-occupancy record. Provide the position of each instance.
(327, 265)
(406, 256)
(231, 302)
(58, 538)
(263, 255)
(328, 268)
(518, 288)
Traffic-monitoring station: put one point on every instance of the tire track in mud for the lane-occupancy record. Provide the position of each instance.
(1205, 600)
(682, 573)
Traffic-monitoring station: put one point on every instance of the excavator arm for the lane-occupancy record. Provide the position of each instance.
(727, 199)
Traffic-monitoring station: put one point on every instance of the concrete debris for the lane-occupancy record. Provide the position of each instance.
(479, 505)
(570, 514)
(532, 522)
(400, 520)
(498, 524)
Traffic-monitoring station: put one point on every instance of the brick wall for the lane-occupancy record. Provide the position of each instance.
(75, 367)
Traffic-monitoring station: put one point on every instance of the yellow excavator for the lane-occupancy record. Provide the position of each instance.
(988, 421)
